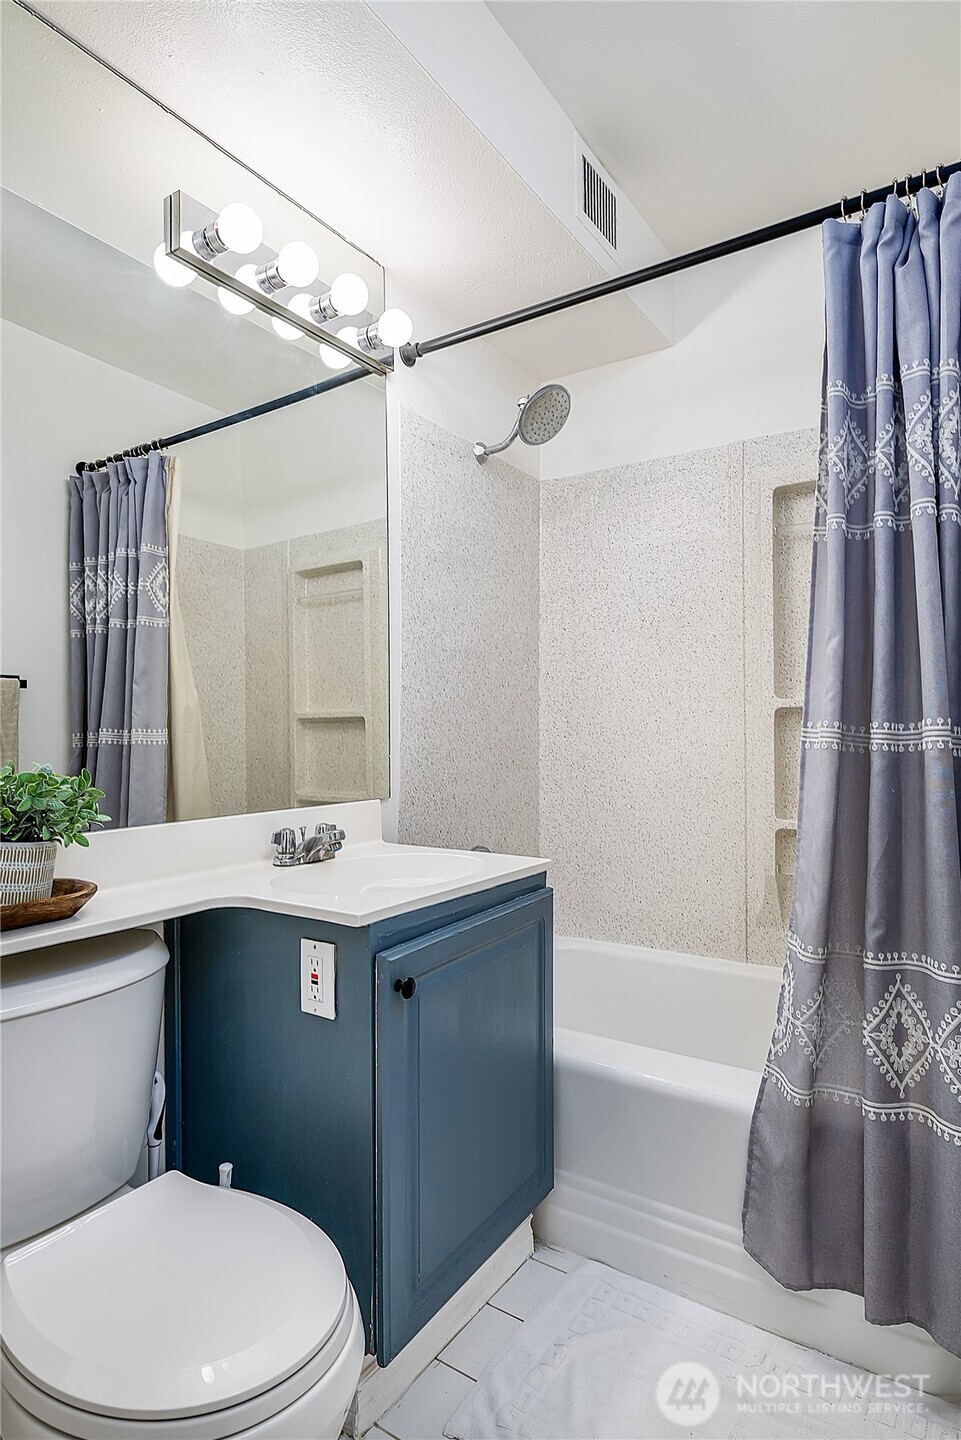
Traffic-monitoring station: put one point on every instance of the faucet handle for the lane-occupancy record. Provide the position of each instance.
(285, 841)
(330, 833)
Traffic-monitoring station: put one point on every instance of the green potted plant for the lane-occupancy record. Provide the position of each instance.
(40, 810)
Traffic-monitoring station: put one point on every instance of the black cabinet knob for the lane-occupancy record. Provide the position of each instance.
(406, 988)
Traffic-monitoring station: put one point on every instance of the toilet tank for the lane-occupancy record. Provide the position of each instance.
(79, 1029)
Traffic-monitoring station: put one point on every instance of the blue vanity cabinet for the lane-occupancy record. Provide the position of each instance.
(416, 1132)
(464, 1103)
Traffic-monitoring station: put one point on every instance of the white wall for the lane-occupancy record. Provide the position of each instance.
(746, 361)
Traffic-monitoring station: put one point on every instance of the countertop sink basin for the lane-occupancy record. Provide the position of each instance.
(381, 874)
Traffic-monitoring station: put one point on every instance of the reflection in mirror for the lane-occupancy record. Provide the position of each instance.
(204, 627)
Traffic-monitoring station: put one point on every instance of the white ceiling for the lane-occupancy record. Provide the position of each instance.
(719, 116)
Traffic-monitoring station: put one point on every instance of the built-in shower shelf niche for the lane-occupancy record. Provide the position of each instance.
(787, 755)
(778, 473)
(338, 672)
(792, 519)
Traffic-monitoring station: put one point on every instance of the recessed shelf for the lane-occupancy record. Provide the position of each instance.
(323, 717)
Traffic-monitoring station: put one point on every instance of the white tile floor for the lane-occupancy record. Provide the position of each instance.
(425, 1409)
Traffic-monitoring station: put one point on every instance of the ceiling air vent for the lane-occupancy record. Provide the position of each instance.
(598, 202)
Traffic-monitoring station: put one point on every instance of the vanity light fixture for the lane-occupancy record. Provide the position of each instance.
(282, 285)
(296, 264)
(236, 228)
(393, 329)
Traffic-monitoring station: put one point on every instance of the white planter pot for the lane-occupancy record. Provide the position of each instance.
(26, 870)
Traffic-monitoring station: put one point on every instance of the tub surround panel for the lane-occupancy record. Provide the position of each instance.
(673, 620)
(469, 575)
(642, 702)
(267, 668)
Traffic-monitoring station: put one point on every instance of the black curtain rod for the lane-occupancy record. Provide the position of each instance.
(840, 210)
(334, 383)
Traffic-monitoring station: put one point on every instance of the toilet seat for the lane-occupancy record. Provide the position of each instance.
(175, 1302)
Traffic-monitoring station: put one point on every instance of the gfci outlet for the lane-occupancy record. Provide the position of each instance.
(318, 978)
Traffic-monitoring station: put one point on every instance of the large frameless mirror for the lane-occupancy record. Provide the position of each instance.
(203, 626)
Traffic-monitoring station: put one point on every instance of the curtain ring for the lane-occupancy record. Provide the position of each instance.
(844, 201)
(940, 186)
(864, 207)
(910, 199)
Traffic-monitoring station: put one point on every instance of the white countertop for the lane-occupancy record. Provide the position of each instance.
(152, 874)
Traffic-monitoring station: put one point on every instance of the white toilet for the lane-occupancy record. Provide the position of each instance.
(176, 1309)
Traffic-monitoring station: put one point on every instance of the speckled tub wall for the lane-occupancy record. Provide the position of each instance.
(469, 581)
(672, 633)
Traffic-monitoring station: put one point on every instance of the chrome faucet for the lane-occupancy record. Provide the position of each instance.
(322, 845)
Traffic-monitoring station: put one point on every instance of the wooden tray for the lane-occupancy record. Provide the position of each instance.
(68, 897)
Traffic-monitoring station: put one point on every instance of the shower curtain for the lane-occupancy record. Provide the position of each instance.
(119, 623)
(854, 1170)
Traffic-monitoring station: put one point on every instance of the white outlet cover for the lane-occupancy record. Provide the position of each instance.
(318, 978)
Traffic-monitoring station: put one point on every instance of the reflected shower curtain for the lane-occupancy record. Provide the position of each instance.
(854, 1171)
(119, 623)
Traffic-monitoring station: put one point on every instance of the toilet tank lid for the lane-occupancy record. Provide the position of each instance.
(59, 975)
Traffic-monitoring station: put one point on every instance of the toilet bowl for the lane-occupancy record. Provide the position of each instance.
(177, 1309)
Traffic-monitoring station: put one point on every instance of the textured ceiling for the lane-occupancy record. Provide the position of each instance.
(718, 116)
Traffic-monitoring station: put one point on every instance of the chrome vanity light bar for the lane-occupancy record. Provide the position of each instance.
(179, 247)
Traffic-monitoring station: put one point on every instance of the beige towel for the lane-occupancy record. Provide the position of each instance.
(10, 719)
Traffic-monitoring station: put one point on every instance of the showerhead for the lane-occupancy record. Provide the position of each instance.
(540, 417)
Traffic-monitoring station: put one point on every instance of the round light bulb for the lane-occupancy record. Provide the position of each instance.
(351, 334)
(349, 295)
(395, 328)
(297, 264)
(233, 304)
(333, 359)
(285, 330)
(171, 271)
(300, 304)
(240, 228)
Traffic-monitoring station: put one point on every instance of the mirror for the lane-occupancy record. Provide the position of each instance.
(260, 633)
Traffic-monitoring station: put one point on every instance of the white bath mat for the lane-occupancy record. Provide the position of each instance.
(607, 1357)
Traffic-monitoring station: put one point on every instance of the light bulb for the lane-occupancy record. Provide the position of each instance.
(350, 333)
(297, 264)
(333, 359)
(349, 295)
(171, 271)
(236, 304)
(394, 328)
(285, 330)
(300, 304)
(240, 228)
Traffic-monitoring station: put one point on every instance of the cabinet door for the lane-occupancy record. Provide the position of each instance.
(464, 1067)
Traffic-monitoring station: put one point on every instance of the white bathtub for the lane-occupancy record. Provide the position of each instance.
(657, 1062)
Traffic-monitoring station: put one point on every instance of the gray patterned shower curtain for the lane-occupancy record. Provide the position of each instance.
(854, 1170)
(119, 625)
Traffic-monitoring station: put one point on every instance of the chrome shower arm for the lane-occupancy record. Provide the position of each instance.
(482, 451)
